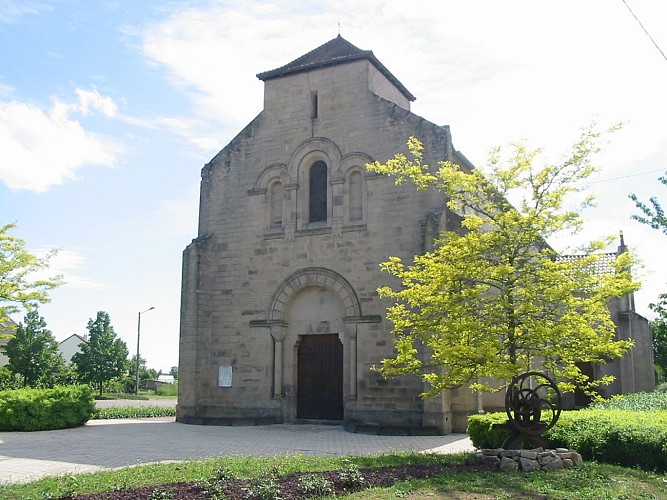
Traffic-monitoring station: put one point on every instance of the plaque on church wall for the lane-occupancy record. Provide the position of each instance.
(224, 376)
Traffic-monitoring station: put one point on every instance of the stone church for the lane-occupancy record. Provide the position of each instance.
(280, 319)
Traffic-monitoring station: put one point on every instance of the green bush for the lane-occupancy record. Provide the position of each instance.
(45, 409)
(638, 401)
(8, 379)
(482, 433)
(134, 412)
(621, 437)
(167, 390)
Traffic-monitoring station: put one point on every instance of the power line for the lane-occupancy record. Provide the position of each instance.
(645, 30)
(625, 176)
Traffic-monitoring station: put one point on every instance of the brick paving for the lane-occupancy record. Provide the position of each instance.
(103, 444)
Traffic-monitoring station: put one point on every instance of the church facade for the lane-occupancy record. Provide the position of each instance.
(280, 318)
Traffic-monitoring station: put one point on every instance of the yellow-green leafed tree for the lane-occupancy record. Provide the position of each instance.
(18, 285)
(494, 300)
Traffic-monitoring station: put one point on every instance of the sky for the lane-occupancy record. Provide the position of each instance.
(109, 110)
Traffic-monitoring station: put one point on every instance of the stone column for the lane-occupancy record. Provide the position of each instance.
(278, 333)
(352, 324)
(353, 360)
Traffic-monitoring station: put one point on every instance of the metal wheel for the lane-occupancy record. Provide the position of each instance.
(533, 402)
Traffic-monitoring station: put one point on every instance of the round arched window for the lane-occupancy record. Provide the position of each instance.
(317, 207)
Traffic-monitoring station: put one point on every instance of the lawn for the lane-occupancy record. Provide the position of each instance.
(455, 476)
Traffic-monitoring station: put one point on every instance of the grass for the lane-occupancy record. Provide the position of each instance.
(589, 481)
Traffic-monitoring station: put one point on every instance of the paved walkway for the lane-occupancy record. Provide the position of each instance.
(102, 444)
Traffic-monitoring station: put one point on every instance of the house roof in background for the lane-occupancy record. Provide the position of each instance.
(82, 339)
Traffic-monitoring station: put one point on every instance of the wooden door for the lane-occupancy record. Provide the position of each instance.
(320, 378)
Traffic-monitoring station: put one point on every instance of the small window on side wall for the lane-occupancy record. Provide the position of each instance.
(317, 192)
(356, 212)
(276, 197)
(314, 111)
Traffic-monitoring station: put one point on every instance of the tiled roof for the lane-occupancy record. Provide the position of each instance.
(336, 51)
(604, 265)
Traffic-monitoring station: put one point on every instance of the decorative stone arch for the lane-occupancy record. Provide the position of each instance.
(309, 153)
(313, 276)
(272, 184)
(355, 193)
(270, 173)
(317, 148)
(357, 160)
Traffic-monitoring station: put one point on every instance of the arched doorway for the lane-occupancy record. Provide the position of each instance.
(315, 354)
(320, 377)
(314, 302)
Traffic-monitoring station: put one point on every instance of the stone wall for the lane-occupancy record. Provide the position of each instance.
(530, 460)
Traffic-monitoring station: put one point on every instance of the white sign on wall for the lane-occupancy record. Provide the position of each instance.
(224, 376)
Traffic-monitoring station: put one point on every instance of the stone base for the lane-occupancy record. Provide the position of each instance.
(389, 430)
(222, 421)
(530, 460)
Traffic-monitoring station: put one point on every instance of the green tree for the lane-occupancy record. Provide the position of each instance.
(104, 356)
(33, 352)
(653, 214)
(493, 299)
(145, 373)
(659, 327)
(18, 286)
(174, 372)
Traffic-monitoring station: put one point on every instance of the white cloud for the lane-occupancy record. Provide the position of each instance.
(42, 148)
(513, 70)
(213, 55)
(90, 101)
(11, 11)
(64, 262)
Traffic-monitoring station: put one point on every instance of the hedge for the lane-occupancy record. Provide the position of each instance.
(116, 412)
(45, 409)
(621, 437)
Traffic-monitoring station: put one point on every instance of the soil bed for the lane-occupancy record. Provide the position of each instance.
(289, 485)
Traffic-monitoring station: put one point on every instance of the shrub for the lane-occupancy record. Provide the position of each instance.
(621, 437)
(8, 379)
(351, 476)
(638, 401)
(315, 486)
(134, 412)
(167, 389)
(45, 409)
(264, 488)
(482, 433)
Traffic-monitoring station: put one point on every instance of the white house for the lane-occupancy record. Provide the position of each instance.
(70, 346)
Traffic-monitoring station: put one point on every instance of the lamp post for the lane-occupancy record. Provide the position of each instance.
(136, 383)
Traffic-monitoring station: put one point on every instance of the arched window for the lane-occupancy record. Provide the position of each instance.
(317, 192)
(355, 200)
(276, 204)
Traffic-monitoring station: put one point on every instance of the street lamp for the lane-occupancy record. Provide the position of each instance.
(136, 384)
